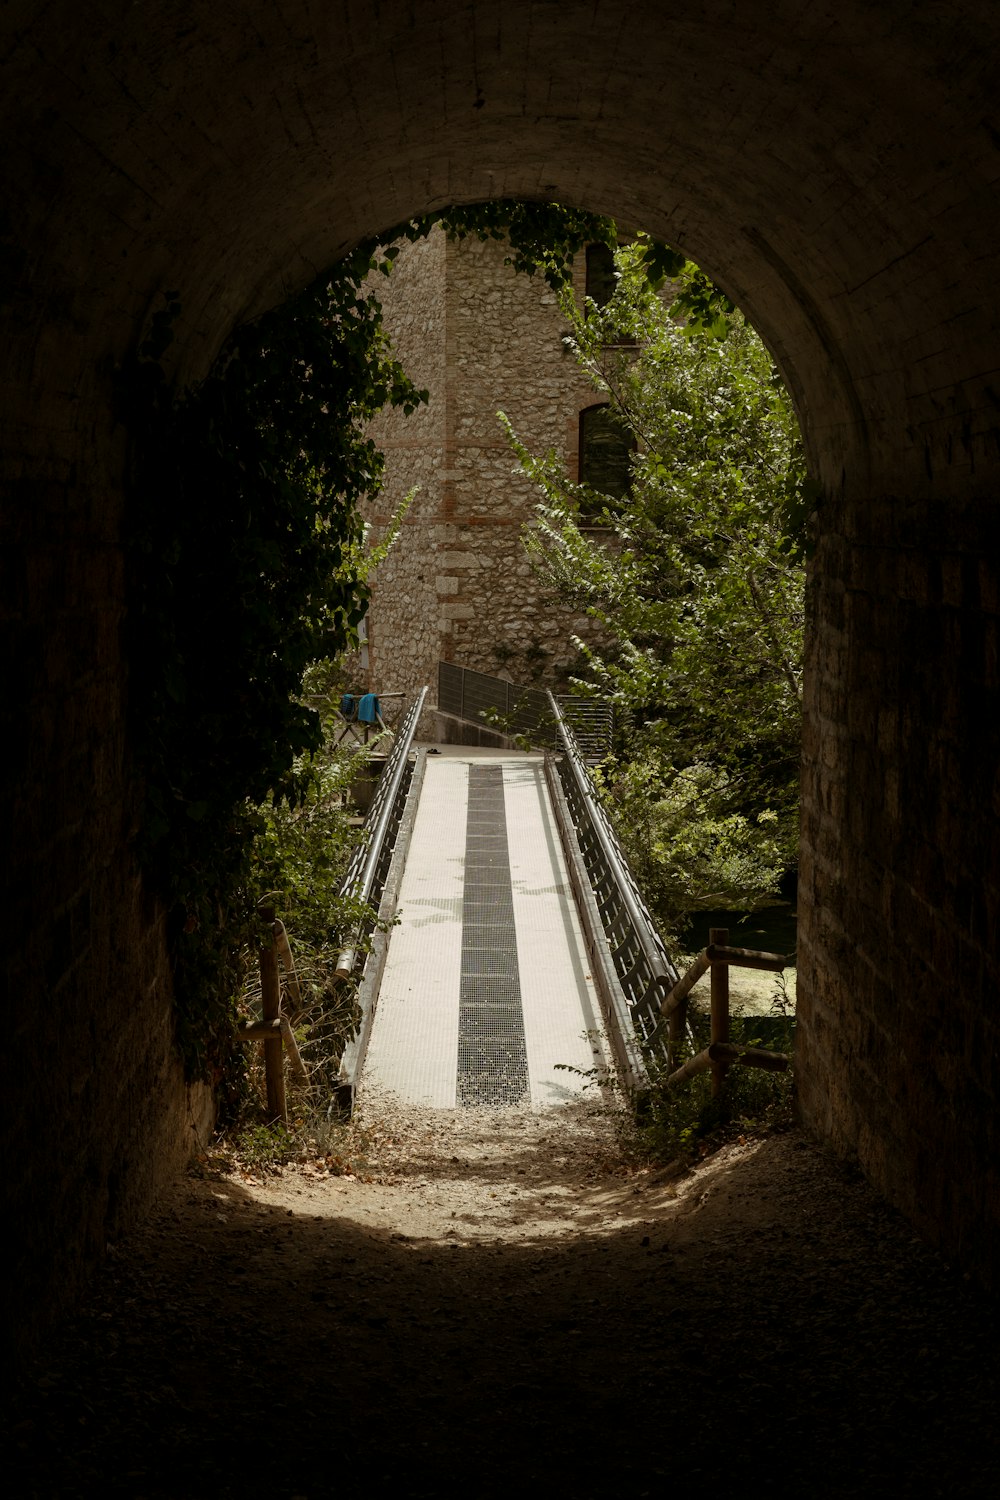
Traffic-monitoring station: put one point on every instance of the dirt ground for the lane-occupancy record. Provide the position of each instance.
(479, 1304)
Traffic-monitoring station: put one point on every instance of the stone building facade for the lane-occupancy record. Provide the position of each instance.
(457, 586)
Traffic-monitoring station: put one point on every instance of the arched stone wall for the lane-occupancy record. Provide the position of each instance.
(833, 165)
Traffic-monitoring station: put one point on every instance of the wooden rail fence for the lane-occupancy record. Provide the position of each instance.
(274, 1029)
(721, 1053)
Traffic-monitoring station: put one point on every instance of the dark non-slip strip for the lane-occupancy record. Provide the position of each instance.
(492, 1058)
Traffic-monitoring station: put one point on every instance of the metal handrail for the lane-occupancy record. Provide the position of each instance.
(370, 860)
(464, 693)
(644, 969)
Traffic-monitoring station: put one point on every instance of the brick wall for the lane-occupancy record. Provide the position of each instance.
(96, 1109)
(900, 878)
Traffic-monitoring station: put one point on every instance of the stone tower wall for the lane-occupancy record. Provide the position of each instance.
(458, 585)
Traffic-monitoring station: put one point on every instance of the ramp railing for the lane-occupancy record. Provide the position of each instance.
(643, 969)
(512, 709)
(644, 1000)
(369, 864)
(483, 700)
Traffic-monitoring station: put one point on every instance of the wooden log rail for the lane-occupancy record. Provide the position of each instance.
(721, 1054)
(274, 1028)
(729, 1053)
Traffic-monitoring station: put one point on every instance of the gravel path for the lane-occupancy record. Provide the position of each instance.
(489, 1304)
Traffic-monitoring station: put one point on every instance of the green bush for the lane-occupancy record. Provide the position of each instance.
(684, 1119)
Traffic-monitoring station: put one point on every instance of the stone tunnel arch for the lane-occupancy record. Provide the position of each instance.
(834, 167)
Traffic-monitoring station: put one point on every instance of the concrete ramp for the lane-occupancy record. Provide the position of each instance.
(486, 989)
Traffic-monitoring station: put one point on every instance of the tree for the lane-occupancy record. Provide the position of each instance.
(696, 579)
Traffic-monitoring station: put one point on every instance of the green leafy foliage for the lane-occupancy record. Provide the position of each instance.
(697, 582)
(685, 1120)
(689, 850)
(262, 1149)
(297, 861)
(541, 237)
(698, 304)
(246, 566)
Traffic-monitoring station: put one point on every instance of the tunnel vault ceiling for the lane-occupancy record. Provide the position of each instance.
(832, 165)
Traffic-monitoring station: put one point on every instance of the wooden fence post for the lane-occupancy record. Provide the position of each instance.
(270, 995)
(720, 1006)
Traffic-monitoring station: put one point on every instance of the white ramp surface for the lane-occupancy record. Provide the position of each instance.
(558, 997)
(434, 1040)
(414, 1041)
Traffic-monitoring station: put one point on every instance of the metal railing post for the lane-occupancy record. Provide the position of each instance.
(363, 868)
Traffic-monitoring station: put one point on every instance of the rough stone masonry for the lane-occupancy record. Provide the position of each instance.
(457, 586)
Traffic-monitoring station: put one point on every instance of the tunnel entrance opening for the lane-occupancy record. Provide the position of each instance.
(832, 166)
(509, 551)
(305, 339)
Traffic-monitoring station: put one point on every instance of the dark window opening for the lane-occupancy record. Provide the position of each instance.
(600, 274)
(605, 455)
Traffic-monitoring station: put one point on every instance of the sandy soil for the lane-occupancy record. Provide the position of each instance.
(489, 1303)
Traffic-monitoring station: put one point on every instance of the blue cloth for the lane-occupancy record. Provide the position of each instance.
(347, 705)
(368, 709)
